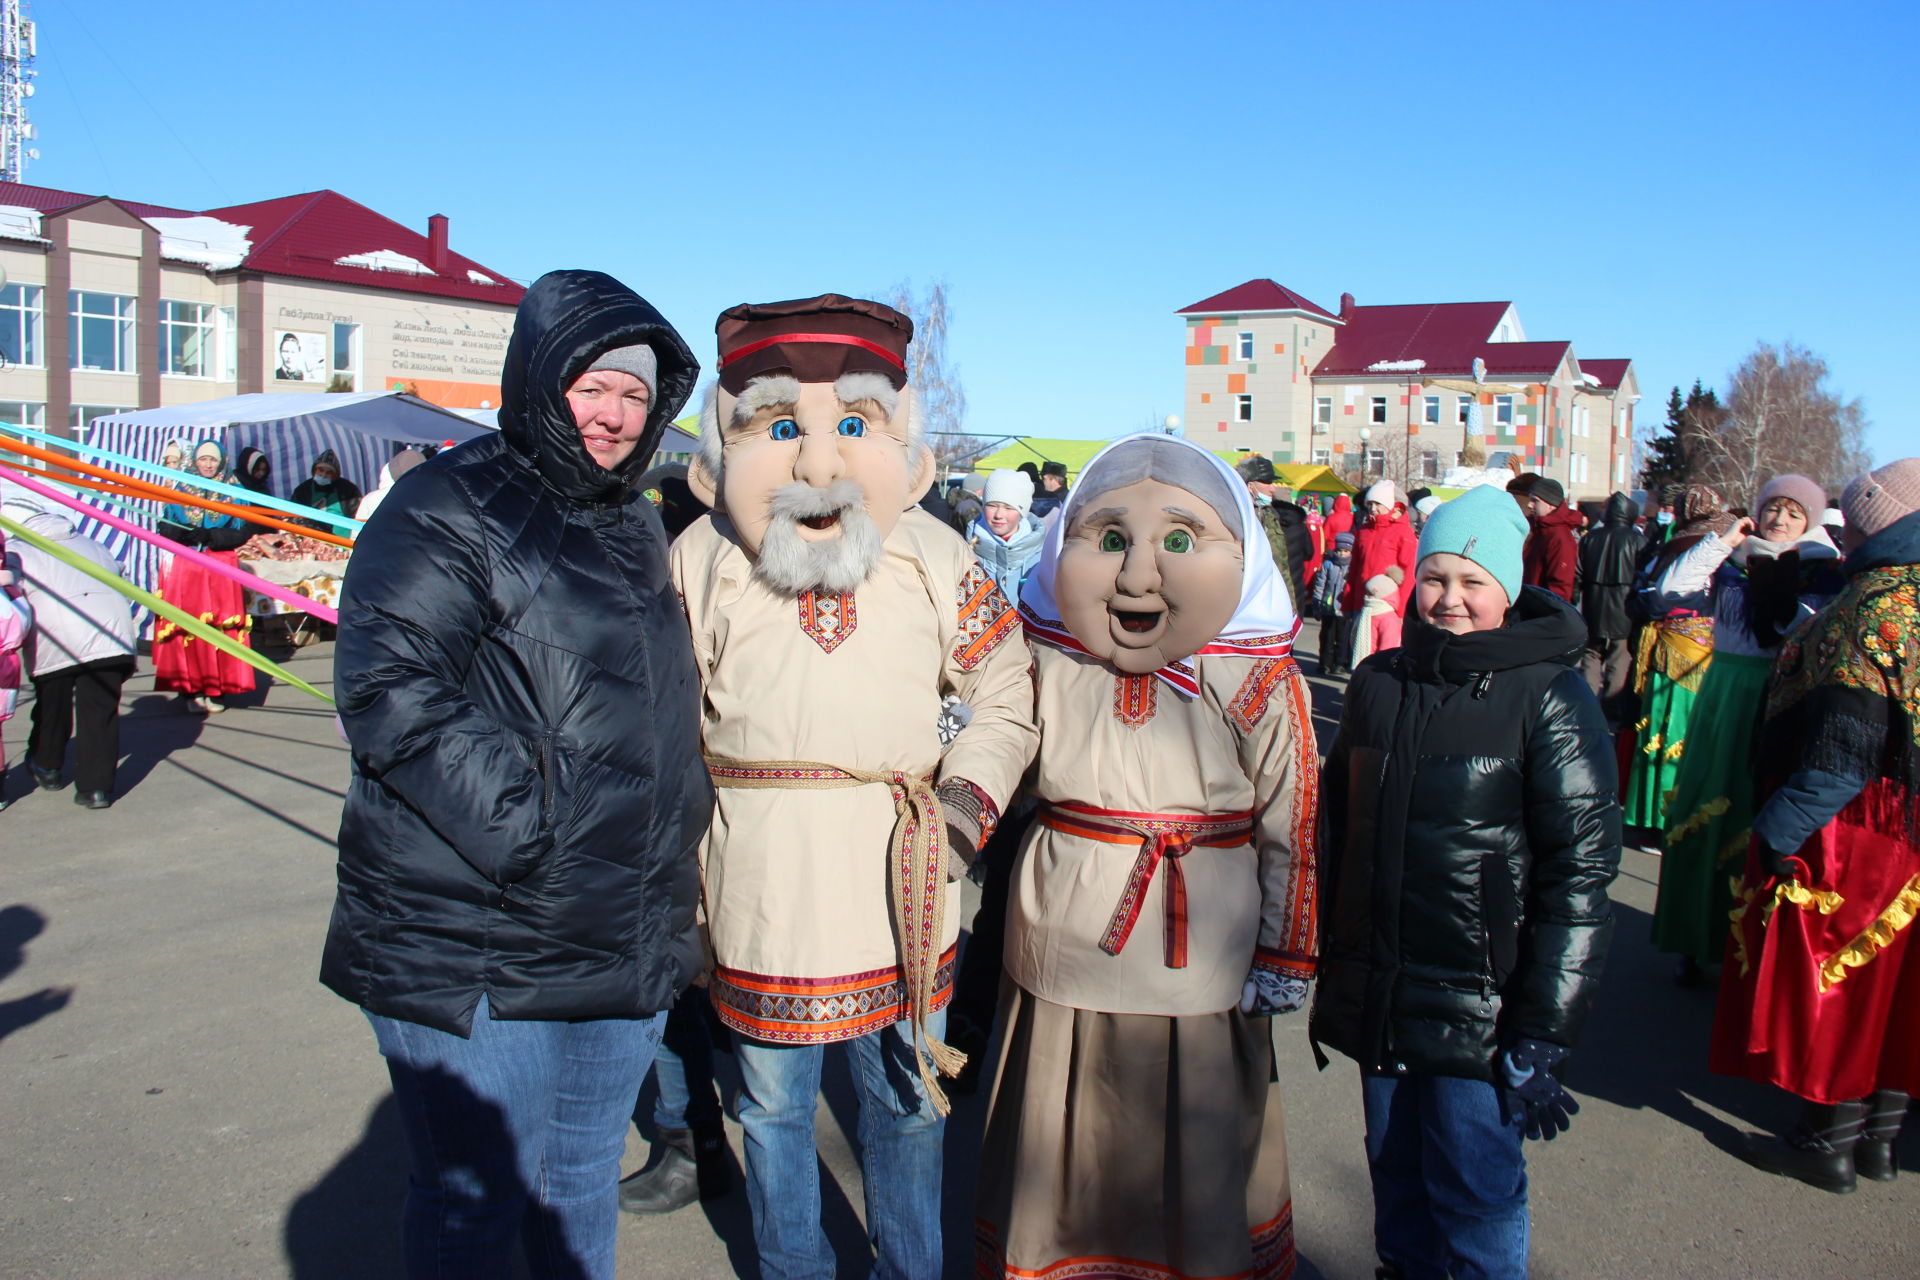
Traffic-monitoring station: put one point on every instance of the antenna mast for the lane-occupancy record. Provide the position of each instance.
(16, 86)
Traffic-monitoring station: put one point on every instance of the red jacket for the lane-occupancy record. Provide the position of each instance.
(1376, 546)
(1552, 557)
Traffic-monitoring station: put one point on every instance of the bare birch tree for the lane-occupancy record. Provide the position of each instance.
(943, 400)
(1780, 416)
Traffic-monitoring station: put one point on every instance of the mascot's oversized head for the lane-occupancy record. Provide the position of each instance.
(810, 441)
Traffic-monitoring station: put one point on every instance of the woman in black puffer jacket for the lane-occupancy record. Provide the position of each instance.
(1472, 831)
(518, 869)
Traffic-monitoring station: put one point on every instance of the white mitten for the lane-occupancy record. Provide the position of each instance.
(1267, 992)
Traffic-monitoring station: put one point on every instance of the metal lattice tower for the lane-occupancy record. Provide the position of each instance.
(16, 86)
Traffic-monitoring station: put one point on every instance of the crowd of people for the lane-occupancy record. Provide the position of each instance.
(643, 762)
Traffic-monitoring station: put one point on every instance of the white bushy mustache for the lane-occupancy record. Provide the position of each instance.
(791, 564)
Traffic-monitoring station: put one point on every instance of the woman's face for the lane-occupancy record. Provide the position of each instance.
(207, 463)
(1147, 575)
(1781, 520)
(1457, 595)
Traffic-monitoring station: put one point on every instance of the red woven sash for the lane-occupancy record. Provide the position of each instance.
(1163, 839)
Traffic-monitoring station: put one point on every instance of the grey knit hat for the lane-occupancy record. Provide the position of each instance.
(637, 360)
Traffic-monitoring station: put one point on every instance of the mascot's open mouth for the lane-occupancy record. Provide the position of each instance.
(1138, 621)
(821, 523)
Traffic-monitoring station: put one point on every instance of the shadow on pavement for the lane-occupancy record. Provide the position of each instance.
(348, 1223)
(19, 925)
(151, 729)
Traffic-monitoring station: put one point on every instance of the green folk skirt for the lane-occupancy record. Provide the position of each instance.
(1660, 740)
(1710, 817)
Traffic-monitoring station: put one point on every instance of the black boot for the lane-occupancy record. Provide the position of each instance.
(1874, 1156)
(712, 1169)
(669, 1181)
(1819, 1150)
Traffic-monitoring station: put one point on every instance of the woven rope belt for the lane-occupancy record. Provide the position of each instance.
(916, 867)
(1163, 839)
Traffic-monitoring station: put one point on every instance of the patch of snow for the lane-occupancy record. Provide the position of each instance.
(481, 277)
(1589, 379)
(1396, 366)
(19, 222)
(1473, 477)
(207, 241)
(385, 260)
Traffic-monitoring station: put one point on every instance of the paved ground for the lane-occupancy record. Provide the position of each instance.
(179, 1096)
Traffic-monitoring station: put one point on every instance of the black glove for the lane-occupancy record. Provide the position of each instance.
(1530, 1096)
(1786, 866)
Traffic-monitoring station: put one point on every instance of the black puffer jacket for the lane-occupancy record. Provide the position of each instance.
(1607, 558)
(1473, 830)
(517, 683)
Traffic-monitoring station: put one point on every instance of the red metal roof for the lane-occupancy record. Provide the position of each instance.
(1255, 295)
(49, 200)
(302, 236)
(1447, 335)
(1510, 359)
(1610, 372)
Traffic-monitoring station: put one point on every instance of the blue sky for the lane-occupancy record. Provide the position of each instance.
(1669, 181)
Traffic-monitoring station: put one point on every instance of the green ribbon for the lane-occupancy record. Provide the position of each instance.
(172, 613)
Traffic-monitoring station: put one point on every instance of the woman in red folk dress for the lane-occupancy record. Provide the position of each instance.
(1821, 990)
(184, 664)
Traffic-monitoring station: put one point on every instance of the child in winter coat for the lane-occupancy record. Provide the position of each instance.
(1328, 584)
(1379, 628)
(1472, 827)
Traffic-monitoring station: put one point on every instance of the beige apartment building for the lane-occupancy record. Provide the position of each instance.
(1404, 391)
(109, 305)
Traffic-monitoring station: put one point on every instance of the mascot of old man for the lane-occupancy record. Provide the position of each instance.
(1163, 902)
(831, 617)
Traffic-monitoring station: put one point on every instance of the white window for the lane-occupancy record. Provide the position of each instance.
(1246, 345)
(188, 342)
(1503, 411)
(1323, 457)
(20, 323)
(1430, 411)
(1621, 422)
(100, 331)
(1376, 462)
(229, 344)
(1243, 408)
(1463, 409)
(1377, 410)
(80, 415)
(1430, 465)
(1323, 411)
(23, 413)
(346, 355)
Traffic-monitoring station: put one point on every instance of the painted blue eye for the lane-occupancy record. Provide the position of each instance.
(784, 429)
(851, 426)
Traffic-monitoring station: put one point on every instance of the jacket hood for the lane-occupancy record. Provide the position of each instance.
(1027, 539)
(1567, 516)
(1897, 544)
(1621, 511)
(1541, 627)
(566, 320)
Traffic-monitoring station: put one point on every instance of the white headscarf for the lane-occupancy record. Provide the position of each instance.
(1263, 624)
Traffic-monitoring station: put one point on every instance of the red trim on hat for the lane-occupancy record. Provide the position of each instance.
(740, 353)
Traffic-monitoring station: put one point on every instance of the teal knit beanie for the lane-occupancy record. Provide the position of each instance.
(1484, 525)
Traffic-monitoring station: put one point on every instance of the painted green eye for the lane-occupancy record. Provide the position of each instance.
(1113, 540)
(1178, 540)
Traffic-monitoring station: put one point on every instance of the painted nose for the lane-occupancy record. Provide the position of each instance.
(1139, 572)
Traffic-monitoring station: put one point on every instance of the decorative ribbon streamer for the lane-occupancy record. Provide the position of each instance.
(84, 475)
(247, 496)
(1164, 839)
(207, 562)
(917, 865)
(172, 613)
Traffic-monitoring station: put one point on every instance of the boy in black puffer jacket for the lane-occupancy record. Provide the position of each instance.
(1473, 829)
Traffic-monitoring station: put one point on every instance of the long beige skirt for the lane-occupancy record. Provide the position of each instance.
(1132, 1146)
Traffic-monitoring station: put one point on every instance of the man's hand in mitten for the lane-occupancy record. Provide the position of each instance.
(1530, 1095)
(1267, 992)
(964, 822)
(1787, 866)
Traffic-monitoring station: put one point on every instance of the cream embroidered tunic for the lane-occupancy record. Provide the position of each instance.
(797, 893)
(1132, 743)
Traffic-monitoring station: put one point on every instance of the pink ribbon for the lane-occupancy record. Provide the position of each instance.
(241, 576)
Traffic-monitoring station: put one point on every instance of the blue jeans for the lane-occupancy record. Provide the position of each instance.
(1449, 1179)
(683, 1070)
(520, 1126)
(900, 1143)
